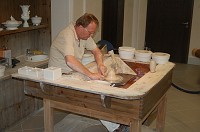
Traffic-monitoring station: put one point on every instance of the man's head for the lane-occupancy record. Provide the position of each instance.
(86, 26)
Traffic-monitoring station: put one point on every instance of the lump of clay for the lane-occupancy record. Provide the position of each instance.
(112, 76)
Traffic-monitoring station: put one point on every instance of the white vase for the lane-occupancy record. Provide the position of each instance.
(25, 14)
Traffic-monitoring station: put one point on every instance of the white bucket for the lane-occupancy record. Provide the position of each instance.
(126, 52)
(160, 58)
(143, 55)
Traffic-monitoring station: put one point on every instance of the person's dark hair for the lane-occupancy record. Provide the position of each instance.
(86, 19)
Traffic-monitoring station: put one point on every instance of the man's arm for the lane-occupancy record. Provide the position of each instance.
(99, 60)
(76, 65)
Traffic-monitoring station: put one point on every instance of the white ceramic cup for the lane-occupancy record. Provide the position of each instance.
(152, 66)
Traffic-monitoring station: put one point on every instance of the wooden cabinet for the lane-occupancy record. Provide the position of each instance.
(32, 37)
(14, 104)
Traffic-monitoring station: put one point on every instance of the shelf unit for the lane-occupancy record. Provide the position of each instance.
(14, 104)
(23, 29)
(25, 35)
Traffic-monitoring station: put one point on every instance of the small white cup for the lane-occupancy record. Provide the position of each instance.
(152, 66)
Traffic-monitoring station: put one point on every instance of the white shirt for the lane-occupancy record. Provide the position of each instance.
(67, 43)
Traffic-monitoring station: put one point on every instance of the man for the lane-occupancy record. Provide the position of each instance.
(68, 48)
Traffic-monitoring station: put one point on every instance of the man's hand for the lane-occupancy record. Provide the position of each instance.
(102, 70)
(96, 76)
(99, 60)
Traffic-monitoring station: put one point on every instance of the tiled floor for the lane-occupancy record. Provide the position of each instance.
(183, 115)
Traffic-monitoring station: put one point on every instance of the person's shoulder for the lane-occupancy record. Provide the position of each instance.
(67, 30)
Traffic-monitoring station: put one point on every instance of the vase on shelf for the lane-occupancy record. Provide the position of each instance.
(25, 14)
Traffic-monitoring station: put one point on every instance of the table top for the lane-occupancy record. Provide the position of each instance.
(134, 91)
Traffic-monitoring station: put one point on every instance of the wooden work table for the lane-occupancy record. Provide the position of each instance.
(130, 106)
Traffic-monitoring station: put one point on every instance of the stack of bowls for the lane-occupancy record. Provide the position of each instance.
(126, 52)
(160, 58)
(143, 55)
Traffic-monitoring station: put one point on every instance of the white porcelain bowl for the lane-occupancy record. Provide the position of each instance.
(13, 26)
(36, 20)
(143, 55)
(160, 58)
(126, 52)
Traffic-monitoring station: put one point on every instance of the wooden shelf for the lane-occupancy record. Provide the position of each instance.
(32, 37)
(22, 29)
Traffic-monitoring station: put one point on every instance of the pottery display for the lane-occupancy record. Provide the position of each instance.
(160, 58)
(36, 20)
(126, 52)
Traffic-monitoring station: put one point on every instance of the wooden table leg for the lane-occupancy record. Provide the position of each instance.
(48, 116)
(160, 123)
(135, 126)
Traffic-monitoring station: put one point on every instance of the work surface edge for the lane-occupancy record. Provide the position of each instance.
(136, 90)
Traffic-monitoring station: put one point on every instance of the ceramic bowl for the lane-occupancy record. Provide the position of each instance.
(160, 58)
(36, 20)
(12, 24)
(143, 55)
(126, 52)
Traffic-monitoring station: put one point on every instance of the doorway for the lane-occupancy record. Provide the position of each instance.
(168, 27)
(112, 22)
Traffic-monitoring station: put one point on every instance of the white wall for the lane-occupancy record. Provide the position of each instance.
(195, 33)
(59, 16)
(89, 6)
(128, 23)
(65, 11)
(134, 23)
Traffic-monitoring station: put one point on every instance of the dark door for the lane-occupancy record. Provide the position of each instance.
(168, 27)
(112, 22)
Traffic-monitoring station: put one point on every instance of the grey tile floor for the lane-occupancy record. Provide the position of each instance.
(183, 114)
